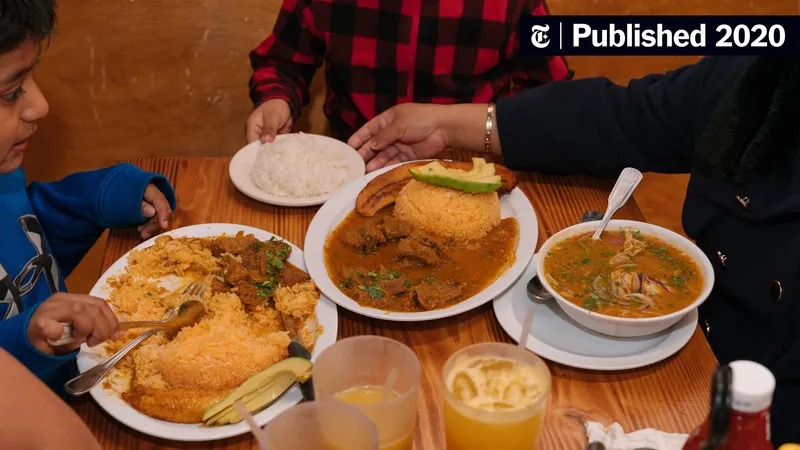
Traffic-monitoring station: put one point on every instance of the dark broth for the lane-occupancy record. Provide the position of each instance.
(623, 274)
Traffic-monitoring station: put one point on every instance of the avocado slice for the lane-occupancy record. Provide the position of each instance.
(481, 178)
(256, 401)
(214, 420)
(300, 367)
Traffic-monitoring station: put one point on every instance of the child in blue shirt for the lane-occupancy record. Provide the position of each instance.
(47, 228)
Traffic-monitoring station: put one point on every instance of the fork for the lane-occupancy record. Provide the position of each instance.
(84, 382)
(192, 290)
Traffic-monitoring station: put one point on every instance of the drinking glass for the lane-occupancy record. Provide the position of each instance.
(321, 425)
(470, 428)
(355, 370)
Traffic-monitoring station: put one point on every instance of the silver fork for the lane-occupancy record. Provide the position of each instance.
(192, 290)
(84, 382)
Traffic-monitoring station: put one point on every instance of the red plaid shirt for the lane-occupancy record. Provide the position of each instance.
(378, 53)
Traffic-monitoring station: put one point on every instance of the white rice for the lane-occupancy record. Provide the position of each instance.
(298, 168)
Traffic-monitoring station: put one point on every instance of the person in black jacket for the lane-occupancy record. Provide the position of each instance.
(732, 122)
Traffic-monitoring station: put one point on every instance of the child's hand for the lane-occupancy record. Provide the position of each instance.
(92, 322)
(271, 118)
(156, 208)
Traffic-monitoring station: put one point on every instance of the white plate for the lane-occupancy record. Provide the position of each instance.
(556, 337)
(244, 159)
(515, 204)
(110, 401)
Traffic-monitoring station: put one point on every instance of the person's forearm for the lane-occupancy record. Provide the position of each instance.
(33, 417)
(465, 127)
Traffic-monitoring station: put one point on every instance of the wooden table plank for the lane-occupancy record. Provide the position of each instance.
(672, 395)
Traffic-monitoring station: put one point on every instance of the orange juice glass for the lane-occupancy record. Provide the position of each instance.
(355, 370)
(495, 397)
(321, 426)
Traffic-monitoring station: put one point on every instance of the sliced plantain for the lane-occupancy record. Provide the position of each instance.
(300, 367)
(383, 190)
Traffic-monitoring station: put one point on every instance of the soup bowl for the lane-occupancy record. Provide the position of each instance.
(626, 326)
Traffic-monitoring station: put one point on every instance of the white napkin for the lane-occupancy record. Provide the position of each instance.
(614, 438)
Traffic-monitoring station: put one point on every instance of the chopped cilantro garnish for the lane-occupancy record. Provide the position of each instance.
(591, 302)
(346, 283)
(677, 280)
(264, 288)
(374, 292)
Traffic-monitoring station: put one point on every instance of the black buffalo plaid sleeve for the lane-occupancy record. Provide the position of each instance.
(285, 62)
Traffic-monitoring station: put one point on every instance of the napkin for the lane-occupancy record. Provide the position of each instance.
(614, 438)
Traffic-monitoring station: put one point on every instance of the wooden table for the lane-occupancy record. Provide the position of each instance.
(672, 396)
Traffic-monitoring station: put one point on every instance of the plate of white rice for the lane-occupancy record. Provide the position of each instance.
(297, 169)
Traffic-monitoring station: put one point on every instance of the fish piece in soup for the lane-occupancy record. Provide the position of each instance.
(624, 283)
(624, 273)
(632, 246)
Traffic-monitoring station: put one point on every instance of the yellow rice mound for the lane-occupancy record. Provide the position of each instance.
(447, 212)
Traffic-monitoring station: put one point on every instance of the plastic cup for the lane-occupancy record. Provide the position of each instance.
(321, 425)
(469, 428)
(361, 365)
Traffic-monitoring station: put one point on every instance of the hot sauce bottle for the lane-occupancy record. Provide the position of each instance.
(741, 396)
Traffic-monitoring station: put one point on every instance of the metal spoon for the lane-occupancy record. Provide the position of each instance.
(623, 189)
(186, 314)
(535, 288)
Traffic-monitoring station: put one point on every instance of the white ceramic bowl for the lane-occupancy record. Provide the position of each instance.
(620, 326)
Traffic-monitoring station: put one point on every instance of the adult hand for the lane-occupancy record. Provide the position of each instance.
(92, 322)
(155, 208)
(271, 118)
(405, 132)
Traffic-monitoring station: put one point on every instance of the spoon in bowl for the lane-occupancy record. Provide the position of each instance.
(623, 189)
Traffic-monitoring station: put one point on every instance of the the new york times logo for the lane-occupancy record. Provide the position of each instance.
(659, 35)
(539, 37)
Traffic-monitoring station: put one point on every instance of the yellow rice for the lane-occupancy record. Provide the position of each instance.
(447, 212)
(220, 352)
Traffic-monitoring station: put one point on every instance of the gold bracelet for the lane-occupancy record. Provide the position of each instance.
(487, 140)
